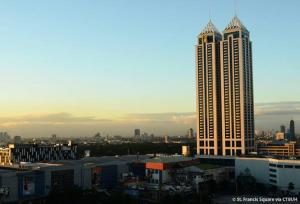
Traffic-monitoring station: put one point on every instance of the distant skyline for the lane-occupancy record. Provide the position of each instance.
(75, 68)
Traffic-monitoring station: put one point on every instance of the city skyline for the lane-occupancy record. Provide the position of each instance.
(66, 79)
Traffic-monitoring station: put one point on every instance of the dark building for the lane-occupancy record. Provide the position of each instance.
(137, 132)
(282, 128)
(191, 133)
(16, 153)
(292, 130)
(31, 184)
(62, 179)
(105, 176)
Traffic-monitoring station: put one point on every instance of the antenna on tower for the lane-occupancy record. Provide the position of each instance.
(209, 10)
(235, 7)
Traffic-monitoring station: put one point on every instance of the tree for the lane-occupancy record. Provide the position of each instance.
(291, 186)
(246, 183)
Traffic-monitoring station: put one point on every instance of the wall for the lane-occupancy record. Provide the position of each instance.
(259, 168)
(283, 171)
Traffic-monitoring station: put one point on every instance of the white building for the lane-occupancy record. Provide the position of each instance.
(271, 171)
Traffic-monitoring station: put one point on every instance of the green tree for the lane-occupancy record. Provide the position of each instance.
(291, 186)
(246, 183)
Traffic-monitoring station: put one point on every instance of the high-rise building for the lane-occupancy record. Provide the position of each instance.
(17, 139)
(282, 128)
(208, 91)
(137, 132)
(191, 133)
(292, 130)
(237, 90)
(225, 115)
(166, 139)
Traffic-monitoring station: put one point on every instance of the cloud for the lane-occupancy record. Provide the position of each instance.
(50, 119)
(180, 117)
(289, 108)
(267, 115)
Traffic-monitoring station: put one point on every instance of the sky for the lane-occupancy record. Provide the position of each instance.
(76, 67)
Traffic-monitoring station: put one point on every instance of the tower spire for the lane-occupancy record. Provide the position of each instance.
(235, 7)
(209, 10)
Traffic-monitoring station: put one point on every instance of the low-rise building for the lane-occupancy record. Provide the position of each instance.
(270, 171)
(185, 150)
(16, 153)
(159, 169)
(279, 136)
(31, 181)
(283, 148)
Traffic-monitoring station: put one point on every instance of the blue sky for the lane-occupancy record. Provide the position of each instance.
(110, 58)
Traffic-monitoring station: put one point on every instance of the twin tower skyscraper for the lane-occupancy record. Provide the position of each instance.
(225, 115)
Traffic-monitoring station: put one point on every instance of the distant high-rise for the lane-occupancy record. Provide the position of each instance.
(282, 128)
(166, 139)
(191, 133)
(292, 130)
(225, 115)
(137, 132)
(17, 139)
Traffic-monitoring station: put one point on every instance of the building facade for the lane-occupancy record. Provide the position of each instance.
(275, 172)
(282, 128)
(16, 153)
(137, 132)
(290, 149)
(292, 130)
(208, 91)
(225, 114)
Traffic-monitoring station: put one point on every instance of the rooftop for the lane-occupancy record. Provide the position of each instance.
(209, 29)
(169, 159)
(7, 170)
(207, 166)
(234, 24)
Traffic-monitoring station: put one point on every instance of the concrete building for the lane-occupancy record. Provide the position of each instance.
(31, 181)
(270, 171)
(16, 153)
(292, 130)
(289, 149)
(266, 170)
(202, 173)
(158, 170)
(225, 116)
(137, 133)
(185, 150)
(166, 137)
(191, 133)
(282, 128)
(279, 136)
(208, 91)
(237, 90)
